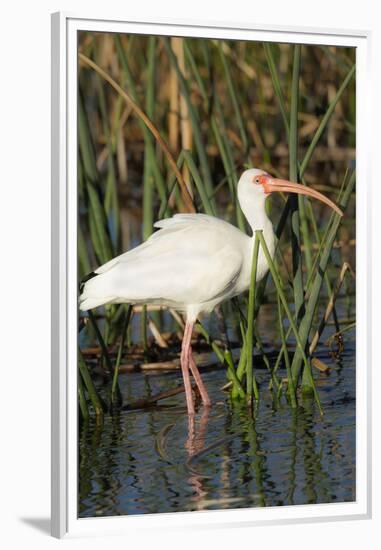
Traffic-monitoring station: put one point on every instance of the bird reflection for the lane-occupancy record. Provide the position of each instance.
(194, 445)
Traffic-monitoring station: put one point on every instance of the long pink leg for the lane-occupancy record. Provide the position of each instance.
(185, 366)
(197, 376)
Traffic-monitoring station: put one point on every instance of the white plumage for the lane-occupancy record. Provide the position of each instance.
(192, 263)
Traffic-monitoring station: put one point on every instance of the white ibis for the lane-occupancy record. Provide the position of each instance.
(193, 263)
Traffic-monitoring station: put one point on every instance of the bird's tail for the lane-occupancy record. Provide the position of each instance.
(92, 292)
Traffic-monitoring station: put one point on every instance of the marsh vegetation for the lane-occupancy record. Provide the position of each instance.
(167, 125)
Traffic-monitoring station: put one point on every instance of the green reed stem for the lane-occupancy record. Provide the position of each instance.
(283, 299)
(148, 183)
(82, 398)
(206, 203)
(324, 121)
(127, 319)
(193, 115)
(268, 47)
(86, 147)
(164, 207)
(227, 156)
(290, 389)
(251, 383)
(266, 361)
(306, 322)
(322, 126)
(98, 226)
(101, 341)
(196, 73)
(221, 138)
(148, 142)
(293, 175)
(232, 375)
(223, 358)
(322, 243)
(111, 205)
(241, 368)
(83, 256)
(234, 97)
(89, 384)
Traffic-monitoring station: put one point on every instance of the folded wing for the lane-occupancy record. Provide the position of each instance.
(193, 259)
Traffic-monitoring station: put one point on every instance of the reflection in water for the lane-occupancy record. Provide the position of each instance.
(194, 445)
(158, 460)
(196, 439)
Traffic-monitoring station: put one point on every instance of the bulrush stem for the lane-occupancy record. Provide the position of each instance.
(82, 399)
(148, 177)
(114, 388)
(140, 113)
(223, 357)
(306, 323)
(295, 200)
(101, 341)
(278, 285)
(91, 389)
(251, 383)
(291, 389)
(193, 114)
(268, 47)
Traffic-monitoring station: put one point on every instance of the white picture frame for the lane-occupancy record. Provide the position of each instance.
(64, 277)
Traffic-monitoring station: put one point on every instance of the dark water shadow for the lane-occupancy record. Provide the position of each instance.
(40, 524)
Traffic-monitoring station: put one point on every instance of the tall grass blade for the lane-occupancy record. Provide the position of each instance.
(196, 73)
(233, 97)
(186, 196)
(148, 160)
(82, 399)
(196, 126)
(91, 389)
(291, 389)
(111, 204)
(115, 391)
(251, 383)
(101, 342)
(306, 322)
(278, 285)
(83, 256)
(86, 147)
(325, 120)
(220, 135)
(268, 47)
(98, 226)
(206, 203)
(228, 159)
(293, 176)
(165, 206)
(148, 142)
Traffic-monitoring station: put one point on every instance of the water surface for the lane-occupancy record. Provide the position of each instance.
(154, 460)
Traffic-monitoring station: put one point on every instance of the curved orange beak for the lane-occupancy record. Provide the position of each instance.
(270, 185)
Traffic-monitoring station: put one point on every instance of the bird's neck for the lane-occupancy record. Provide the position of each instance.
(255, 212)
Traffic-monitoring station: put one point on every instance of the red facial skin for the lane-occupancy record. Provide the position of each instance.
(271, 185)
